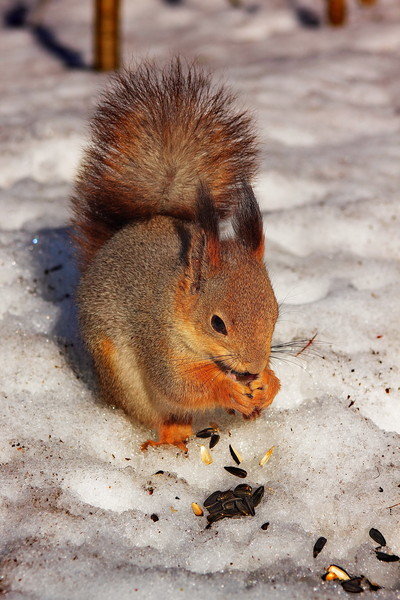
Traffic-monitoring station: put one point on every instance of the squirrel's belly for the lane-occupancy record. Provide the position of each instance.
(122, 381)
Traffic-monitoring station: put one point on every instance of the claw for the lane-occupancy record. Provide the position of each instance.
(181, 445)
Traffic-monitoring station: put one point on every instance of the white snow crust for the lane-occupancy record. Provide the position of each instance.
(76, 493)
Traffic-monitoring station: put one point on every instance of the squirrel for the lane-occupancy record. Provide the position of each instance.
(177, 314)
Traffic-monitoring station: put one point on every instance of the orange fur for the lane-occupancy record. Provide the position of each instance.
(157, 135)
(175, 434)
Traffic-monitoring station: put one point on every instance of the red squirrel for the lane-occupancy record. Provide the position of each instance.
(177, 316)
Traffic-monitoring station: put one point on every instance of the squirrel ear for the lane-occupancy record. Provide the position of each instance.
(247, 221)
(207, 218)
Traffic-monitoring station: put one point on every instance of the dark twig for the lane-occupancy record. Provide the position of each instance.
(310, 341)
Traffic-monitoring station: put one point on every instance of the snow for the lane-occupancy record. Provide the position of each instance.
(76, 493)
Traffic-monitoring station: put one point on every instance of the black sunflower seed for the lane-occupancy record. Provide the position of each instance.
(376, 535)
(234, 455)
(215, 508)
(352, 585)
(242, 490)
(257, 496)
(228, 495)
(214, 440)
(212, 499)
(205, 433)
(242, 507)
(318, 546)
(214, 518)
(372, 586)
(265, 526)
(249, 506)
(236, 471)
(387, 557)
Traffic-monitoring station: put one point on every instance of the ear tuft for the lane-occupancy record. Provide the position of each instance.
(247, 221)
(207, 218)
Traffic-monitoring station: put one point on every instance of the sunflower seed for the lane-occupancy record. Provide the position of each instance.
(205, 433)
(196, 508)
(264, 459)
(242, 490)
(249, 506)
(235, 455)
(372, 586)
(212, 499)
(214, 440)
(214, 518)
(352, 585)
(265, 526)
(236, 471)
(205, 455)
(339, 572)
(257, 496)
(376, 535)
(318, 546)
(387, 557)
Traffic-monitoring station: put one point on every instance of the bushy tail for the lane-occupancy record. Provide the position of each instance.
(158, 134)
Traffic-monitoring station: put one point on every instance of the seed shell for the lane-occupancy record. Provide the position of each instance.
(339, 572)
(257, 496)
(214, 439)
(205, 433)
(212, 499)
(376, 535)
(374, 587)
(196, 508)
(353, 585)
(265, 526)
(264, 459)
(205, 455)
(235, 455)
(236, 471)
(318, 546)
(329, 576)
(242, 490)
(387, 557)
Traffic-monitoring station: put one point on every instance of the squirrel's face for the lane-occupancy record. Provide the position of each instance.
(235, 316)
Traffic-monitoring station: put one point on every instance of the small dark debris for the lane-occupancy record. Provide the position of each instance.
(52, 269)
(234, 455)
(318, 546)
(387, 390)
(214, 439)
(376, 535)
(154, 517)
(236, 471)
(159, 473)
(386, 557)
(265, 526)
(380, 489)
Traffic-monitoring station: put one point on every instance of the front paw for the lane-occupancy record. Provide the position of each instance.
(264, 390)
(239, 397)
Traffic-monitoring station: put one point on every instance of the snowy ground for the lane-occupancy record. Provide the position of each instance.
(75, 499)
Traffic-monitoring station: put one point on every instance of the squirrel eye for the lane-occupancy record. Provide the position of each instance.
(218, 324)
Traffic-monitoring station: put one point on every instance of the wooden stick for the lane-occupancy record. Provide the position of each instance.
(107, 35)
